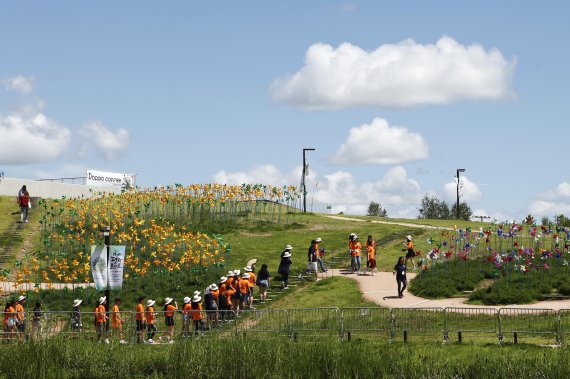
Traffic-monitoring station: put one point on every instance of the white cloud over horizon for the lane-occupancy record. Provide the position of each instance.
(398, 193)
(21, 84)
(552, 202)
(399, 75)
(380, 143)
(111, 144)
(29, 136)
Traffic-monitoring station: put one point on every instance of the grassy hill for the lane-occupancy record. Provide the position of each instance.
(263, 241)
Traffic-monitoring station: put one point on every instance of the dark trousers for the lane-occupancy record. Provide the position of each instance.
(151, 331)
(402, 284)
(285, 278)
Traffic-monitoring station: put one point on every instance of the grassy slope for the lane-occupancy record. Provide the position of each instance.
(9, 218)
(267, 245)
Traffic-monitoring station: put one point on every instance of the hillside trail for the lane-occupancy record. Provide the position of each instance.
(382, 290)
(409, 225)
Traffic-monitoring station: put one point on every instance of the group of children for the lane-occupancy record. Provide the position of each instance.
(355, 251)
(221, 303)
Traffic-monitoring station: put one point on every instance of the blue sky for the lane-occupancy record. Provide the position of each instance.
(184, 92)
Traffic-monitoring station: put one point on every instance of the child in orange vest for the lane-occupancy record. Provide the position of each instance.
(101, 319)
(197, 315)
(150, 316)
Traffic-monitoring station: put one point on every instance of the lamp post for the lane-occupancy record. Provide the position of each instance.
(458, 183)
(106, 233)
(303, 179)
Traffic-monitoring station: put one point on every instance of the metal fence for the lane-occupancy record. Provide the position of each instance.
(457, 325)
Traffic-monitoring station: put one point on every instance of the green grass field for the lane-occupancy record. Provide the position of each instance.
(280, 358)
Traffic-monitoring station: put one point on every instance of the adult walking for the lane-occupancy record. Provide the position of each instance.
(401, 279)
(285, 268)
(263, 277)
(25, 204)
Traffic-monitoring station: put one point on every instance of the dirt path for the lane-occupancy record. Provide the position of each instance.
(382, 290)
(420, 226)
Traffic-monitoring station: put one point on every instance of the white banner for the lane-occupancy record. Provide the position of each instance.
(116, 267)
(109, 179)
(99, 267)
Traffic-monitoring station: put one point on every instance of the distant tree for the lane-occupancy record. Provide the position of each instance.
(465, 211)
(545, 221)
(432, 207)
(375, 209)
(562, 220)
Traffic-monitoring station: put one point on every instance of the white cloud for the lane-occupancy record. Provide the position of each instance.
(20, 84)
(110, 143)
(395, 191)
(553, 202)
(379, 143)
(469, 193)
(399, 194)
(396, 76)
(27, 136)
(266, 174)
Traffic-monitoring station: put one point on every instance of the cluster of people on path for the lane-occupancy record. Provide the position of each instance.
(221, 302)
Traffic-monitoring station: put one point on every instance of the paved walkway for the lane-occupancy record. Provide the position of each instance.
(382, 290)
(419, 226)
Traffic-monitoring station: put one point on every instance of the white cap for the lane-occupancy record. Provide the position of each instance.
(223, 279)
(245, 276)
(168, 300)
(288, 247)
(230, 273)
(102, 300)
(197, 299)
(248, 269)
(287, 255)
(237, 272)
(319, 239)
(409, 237)
(150, 303)
(187, 300)
(213, 287)
(77, 302)
(21, 298)
(197, 293)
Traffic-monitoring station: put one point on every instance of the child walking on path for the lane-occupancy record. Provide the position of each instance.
(400, 272)
(371, 248)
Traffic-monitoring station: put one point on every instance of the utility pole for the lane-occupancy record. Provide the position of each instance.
(458, 183)
(303, 187)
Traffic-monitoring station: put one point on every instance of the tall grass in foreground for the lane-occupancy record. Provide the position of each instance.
(278, 358)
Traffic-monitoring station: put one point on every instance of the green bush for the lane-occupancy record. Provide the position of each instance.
(448, 279)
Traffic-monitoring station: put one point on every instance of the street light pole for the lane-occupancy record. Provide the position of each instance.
(303, 188)
(458, 181)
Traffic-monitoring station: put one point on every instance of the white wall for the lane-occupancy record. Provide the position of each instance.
(49, 190)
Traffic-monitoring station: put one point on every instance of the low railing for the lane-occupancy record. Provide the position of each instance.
(537, 326)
